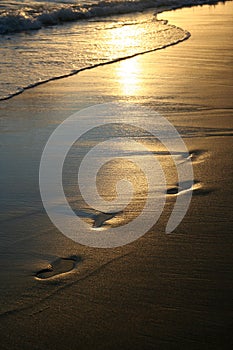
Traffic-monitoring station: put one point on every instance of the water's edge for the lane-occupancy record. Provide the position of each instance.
(74, 72)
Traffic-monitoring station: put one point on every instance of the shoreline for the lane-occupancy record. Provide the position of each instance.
(75, 72)
(32, 86)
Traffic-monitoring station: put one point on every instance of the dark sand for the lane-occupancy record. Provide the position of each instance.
(162, 291)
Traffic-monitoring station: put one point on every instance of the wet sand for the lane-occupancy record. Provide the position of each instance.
(162, 291)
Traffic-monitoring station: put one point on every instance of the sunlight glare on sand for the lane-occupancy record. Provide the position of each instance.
(128, 75)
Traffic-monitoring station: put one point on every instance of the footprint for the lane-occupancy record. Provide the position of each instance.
(181, 188)
(173, 190)
(198, 155)
(202, 191)
(197, 189)
(98, 218)
(58, 267)
(101, 218)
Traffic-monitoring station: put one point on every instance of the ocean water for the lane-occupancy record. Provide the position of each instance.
(44, 40)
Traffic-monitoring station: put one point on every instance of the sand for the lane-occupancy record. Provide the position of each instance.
(162, 291)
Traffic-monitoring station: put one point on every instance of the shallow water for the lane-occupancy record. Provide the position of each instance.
(28, 59)
(58, 49)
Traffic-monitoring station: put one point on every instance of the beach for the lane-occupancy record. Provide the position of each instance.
(162, 291)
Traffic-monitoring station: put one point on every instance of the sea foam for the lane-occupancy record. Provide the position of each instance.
(20, 16)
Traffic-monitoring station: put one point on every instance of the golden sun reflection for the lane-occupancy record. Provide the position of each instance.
(128, 40)
(128, 74)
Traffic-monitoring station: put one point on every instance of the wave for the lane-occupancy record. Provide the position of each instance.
(37, 15)
(76, 71)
